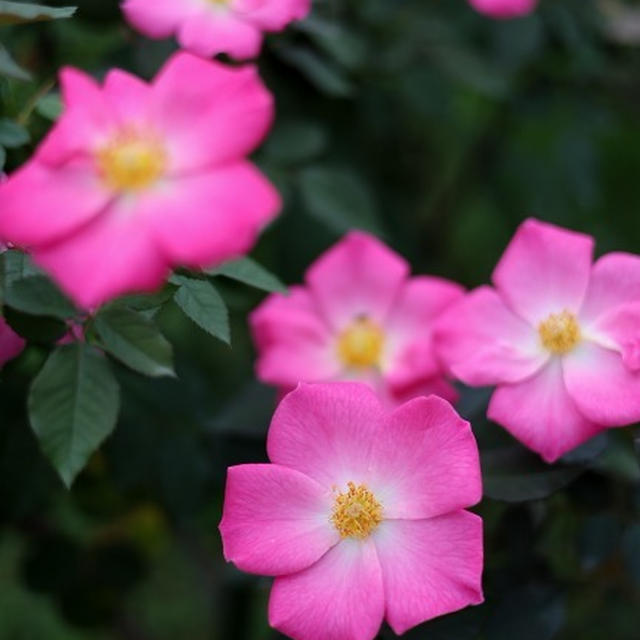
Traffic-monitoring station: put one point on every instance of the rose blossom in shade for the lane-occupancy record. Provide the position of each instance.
(210, 27)
(136, 178)
(558, 335)
(504, 9)
(358, 317)
(11, 344)
(360, 515)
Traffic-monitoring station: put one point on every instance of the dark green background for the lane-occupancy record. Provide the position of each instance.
(441, 131)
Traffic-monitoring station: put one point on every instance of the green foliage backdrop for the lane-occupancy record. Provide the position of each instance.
(416, 119)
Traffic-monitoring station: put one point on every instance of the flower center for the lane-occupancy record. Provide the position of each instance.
(360, 344)
(130, 161)
(356, 512)
(560, 332)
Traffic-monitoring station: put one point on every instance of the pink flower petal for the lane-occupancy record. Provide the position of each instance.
(338, 598)
(619, 330)
(615, 280)
(357, 276)
(425, 461)
(437, 386)
(504, 9)
(273, 15)
(544, 270)
(42, 204)
(157, 18)
(410, 325)
(128, 98)
(429, 567)
(541, 414)
(108, 257)
(293, 342)
(212, 113)
(83, 123)
(208, 34)
(11, 344)
(204, 219)
(484, 343)
(326, 431)
(602, 387)
(275, 520)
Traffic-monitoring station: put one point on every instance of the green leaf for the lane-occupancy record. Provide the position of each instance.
(18, 12)
(249, 272)
(49, 106)
(73, 406)
(136, 341)
(296, 142)
(3, 157)
(201, 302)
(513, 474)
(39, 329)
(338, 199)
(38, 296)
(12, 134)
(10, 68)
(325, 75)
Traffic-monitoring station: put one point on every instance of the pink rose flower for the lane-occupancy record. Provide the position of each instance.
(11, 344)
(361, 515)
(359, 317)
(504, 9)
(558, 335)
(210, 27)
(135, 178)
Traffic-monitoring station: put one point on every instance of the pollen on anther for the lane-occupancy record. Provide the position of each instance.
(560, 332)
(356, 512)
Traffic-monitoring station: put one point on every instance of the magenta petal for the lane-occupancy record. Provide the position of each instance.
(204, 219)
(42, 204)
(275, 520)
(157, 18)
(504, 9)
(483, 342)
(437, 386)
(600, 384)
(425, 461)
(545, 269)
(110, 256)
(273, 15)
(11, 344)
(127, 96)
(338, 598)
(326, 431)
(410, 329)
(357, 276)
(294, 344)
(541, 414)
(430, 567)
(615, 281)
(212, 113)
(207, 34)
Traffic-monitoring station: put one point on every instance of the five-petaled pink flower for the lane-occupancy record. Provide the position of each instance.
(210, 27)
(359, 317)
(135, 178)
(559, 336)
(360, 515)
(11, 344)
(504, 8)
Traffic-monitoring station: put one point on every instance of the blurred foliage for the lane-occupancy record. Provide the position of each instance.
(426, 123)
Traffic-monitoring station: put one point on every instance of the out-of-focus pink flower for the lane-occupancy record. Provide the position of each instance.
(361, 514)
(135, 178)
(210, 27)
(11, 344)
(359, 317)
(504, 8)
(558, 335)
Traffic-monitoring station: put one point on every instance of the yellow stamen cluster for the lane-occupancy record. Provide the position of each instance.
(560, 332)
(131, 162)
(360, 344)
(356, 512)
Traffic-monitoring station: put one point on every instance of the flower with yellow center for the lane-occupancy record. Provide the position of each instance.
(560, 332)
(356, 512)
(131, 162)
(360, 345)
